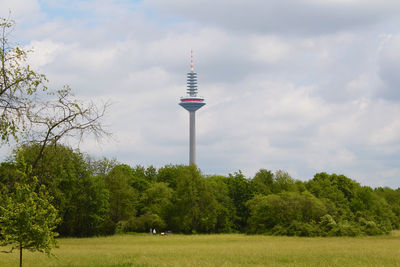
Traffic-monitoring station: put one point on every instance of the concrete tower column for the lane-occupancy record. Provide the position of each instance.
(192, 129)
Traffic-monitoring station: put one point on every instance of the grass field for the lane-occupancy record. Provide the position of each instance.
(216, 250)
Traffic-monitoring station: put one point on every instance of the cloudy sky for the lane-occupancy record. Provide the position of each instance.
(299, 85)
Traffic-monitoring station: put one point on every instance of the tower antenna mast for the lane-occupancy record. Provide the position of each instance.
(191, 61)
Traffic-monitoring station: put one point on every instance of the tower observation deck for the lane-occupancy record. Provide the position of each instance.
(192, 102)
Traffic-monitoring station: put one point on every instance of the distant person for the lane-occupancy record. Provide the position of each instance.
(154, 231)
(151, 231)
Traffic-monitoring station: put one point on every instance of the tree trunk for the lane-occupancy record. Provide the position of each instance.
(20, 254)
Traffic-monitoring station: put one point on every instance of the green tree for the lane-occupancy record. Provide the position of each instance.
(328, 188)
(169, 174)
(195, 206)
(225, 210)
(123, 197)
(392, 198)
(355, 209)
(157, 199)
(287, 213)
(239, 190)
(372, 209)
(27, 217)
(89, 207)
(151, 173)
(263, 182)
(80, 197)
(139, 179)
(283, 182)
(100, 167)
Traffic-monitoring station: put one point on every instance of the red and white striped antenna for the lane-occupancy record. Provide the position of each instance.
(191, 60)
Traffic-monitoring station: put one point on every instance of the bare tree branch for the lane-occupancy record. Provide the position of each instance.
(62, 117)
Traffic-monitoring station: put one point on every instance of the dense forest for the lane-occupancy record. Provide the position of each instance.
(104, 197)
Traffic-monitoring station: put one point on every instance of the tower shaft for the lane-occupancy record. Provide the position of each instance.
(192, 138)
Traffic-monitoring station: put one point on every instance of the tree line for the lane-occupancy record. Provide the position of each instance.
(104, 197)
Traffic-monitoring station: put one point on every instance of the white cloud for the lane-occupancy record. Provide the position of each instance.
(24, 11)
(389, 64)
(269, 49)
(297, 88)
(44, 52)
(388, 134)
(285, 16)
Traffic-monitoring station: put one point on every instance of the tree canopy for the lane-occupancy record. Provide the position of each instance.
(27, 217)
(101, 197)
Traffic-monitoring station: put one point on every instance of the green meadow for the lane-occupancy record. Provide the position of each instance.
(217, 250)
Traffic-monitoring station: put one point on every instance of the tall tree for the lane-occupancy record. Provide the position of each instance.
(225, 210)
(240, 192)
(195, 207)
(27, 217)
(123, 197)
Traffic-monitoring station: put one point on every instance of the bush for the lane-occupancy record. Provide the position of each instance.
(288, 213)
(303, 229)
(107, 227)
(142, 224)
(120, 227)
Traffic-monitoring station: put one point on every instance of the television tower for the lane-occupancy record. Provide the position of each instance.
(191, 102)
